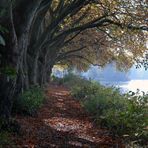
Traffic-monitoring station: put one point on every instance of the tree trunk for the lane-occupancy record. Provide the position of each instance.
(7, 90)
(49, 71)
(34, 70)
(9, 68)
(43, 74)
(14, 56)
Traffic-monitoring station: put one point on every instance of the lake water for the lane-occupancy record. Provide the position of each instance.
(132, 85)
(128, 81)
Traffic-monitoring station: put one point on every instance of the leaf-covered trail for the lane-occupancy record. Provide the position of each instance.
(61, 123)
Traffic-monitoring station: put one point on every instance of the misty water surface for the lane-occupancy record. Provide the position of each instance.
(128, 81)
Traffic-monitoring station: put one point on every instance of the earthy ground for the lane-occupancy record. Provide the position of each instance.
(61, 123)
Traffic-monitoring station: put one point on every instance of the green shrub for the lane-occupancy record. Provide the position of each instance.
(5, 140)
(57, 80)
(70, 80)
(29, 101)
(84, 90)
(122, 114)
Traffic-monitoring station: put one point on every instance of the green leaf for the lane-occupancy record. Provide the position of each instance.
(2, 41)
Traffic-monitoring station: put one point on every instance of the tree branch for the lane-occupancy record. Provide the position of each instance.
(62, 55)
(79, 57)
(69, 40)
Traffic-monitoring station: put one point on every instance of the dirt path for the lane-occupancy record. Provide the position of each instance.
(61, 123)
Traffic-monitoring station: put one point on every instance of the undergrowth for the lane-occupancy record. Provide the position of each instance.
(5, 140)
(29, 101)
(124, 115)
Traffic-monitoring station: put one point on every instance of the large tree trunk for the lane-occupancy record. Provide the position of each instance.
(7, 90)
(9, 67)
(49, 72)
(43, 75)
(14, 53)
(24, 79)
(48, 63)
(11, 85)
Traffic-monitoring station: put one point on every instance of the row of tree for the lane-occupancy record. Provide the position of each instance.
(35, 35)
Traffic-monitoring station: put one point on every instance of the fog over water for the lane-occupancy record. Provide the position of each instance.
(109, 76)
(128, 81)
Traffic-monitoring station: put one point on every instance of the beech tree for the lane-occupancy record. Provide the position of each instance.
(39, 34)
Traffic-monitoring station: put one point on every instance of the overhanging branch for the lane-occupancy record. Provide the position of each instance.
(80, 57)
